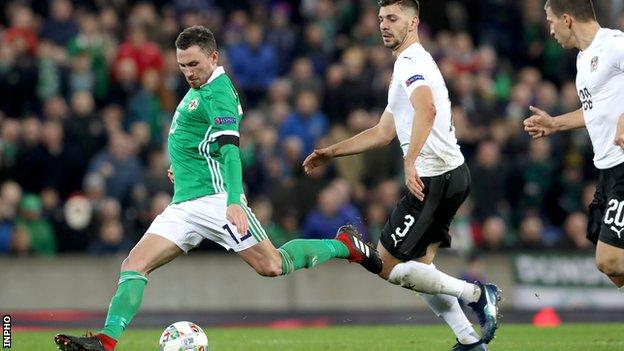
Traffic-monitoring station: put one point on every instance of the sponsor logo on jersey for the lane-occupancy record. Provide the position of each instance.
(193, 104)
(414, 78)
(225, 120)
(594, 63)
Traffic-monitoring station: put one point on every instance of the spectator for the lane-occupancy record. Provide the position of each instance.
(144, 53)
(307, 122)
(93, 43)
(40, 233)
(110, 240)
(263, 210)
(537, 174)
(531, 233)
(6, 229)
(253, 64)
(145, 107)
(575, 229)
(118, 165)
(329, 215)
(282, 35)
(376, 217)
(493, 231)
(61, 26)
(489, 181)
(9, 148)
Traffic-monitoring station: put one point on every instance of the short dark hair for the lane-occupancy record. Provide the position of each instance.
(582, 10)
(197, 35)
(413, 4)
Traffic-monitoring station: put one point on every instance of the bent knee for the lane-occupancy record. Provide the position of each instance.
(269, 268)
(611, 267)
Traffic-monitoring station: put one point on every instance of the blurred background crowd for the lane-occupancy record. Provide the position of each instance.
(88, 89)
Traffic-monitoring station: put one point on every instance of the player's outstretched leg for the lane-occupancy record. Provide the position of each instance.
(308, 253)
(486, 308)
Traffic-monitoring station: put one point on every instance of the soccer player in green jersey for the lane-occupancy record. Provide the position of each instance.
(208, 201)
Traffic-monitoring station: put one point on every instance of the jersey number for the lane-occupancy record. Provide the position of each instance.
(586, 100)
(615, 213)
(242, 238)
(399, 233)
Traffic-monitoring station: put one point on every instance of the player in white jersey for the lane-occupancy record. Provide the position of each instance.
(419, 113)
(600, 85)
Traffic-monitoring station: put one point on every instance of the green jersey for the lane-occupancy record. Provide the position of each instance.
(202, 116)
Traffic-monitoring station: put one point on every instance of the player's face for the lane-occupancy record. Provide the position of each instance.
(196, 64)
(560, 29)
(394, 24)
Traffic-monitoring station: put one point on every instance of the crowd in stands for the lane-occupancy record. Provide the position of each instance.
(88, 89)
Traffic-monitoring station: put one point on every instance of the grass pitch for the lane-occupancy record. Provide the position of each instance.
(511, 337)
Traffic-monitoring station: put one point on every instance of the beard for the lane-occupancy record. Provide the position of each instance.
(392, 44)
(395, 42)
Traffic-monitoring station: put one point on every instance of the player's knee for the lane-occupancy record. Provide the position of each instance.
(269, 268)
(269, 271)
(134, 264)
(416, 276)
(611, 267)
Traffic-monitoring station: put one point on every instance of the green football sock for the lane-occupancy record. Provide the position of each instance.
(125, 303)
(307, 253)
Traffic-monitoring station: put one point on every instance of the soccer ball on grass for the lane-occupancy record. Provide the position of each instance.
(183, 336)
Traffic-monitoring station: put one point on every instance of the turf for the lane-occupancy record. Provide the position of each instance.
(511, 337)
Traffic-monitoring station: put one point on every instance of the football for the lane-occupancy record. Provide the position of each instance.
(183, 336)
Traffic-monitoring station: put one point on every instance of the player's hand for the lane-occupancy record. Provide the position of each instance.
(413, 181)
(540, 124)
(316, 158)
(170, 174)
(237, 216)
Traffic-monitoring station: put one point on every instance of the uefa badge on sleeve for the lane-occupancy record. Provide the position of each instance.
(594, 63)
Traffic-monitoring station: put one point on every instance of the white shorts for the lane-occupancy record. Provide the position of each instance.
(188, 223)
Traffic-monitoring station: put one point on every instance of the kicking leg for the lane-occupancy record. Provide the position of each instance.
(308, 253)
(268, 261)
(151, 252)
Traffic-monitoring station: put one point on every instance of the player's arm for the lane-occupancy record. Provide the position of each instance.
(619, 132)
(379, 135)
(618, 52)
(233, 175)
(541, 124)
(424, 116)
(224, 116)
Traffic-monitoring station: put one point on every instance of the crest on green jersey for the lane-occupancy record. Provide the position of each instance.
(193, 104)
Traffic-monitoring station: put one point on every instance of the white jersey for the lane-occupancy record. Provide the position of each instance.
(413, 68)
(600, 85)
